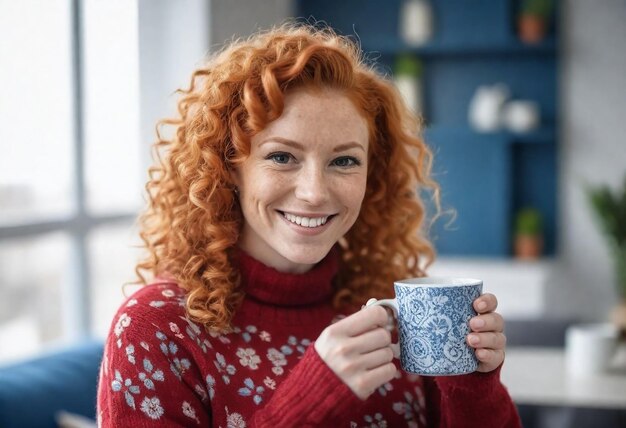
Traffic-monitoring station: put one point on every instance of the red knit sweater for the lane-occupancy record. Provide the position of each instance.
(160, 369)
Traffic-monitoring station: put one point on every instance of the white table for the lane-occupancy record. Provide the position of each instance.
(537, 376)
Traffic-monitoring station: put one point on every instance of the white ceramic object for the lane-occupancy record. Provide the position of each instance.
(416, 22)
(411, 91)
(589, 348)
(521, 115)
(485, 109)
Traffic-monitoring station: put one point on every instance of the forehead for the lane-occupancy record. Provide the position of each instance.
(319, 117)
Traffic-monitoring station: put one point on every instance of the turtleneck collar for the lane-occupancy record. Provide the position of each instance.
(267, 285)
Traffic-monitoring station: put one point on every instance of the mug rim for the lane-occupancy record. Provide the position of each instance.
(440, 281)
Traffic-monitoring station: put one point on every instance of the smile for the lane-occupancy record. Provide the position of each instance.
(310, 222)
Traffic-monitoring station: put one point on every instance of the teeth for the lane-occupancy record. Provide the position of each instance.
(306, 221)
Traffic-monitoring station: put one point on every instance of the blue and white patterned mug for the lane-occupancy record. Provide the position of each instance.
(433, 323)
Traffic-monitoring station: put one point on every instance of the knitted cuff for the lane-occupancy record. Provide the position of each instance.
(312, 395)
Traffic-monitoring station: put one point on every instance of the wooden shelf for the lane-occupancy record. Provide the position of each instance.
(393, 46)
(546, 134)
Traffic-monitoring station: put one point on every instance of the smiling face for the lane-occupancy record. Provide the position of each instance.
(302, 186)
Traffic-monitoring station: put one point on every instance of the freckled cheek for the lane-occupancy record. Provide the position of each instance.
(265, 190)
(351, 193)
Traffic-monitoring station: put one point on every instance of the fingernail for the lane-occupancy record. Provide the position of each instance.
(474, 339)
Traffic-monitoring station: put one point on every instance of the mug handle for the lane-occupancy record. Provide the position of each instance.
(390, 303)
(393, 305)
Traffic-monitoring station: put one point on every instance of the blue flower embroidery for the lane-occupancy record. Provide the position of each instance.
(120, 384)
(147, 377)
(250, 389)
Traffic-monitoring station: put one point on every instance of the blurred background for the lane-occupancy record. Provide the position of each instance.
(523, 117)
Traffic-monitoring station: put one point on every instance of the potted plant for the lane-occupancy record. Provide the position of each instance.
(407, 76)
(610, 212)
(528, 234)
(533, 19)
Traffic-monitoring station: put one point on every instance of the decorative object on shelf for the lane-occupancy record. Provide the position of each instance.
(590, 348)
(407, 76)
(416, 22)
(521, 115)
(533, 20)
(528, 240)
(485, 108)
(610, 211)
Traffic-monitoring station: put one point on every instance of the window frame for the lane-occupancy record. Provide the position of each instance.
(77, 322)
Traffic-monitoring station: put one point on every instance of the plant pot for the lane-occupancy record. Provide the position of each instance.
(532, 29)
(528, 247)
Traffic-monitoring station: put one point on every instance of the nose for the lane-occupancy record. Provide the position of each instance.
(311, 185)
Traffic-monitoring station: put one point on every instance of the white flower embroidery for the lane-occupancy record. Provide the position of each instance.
(152, 407)
(122, 322)
(194, 333)
(234, 420)
(131, 302)
(157, 303)
(176, 330)
(189, 411)
(248, 358)
(265, 336)
(201, 392)
(277, 359)
(167, 293)
(269, 382)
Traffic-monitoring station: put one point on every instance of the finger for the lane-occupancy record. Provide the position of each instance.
(376, 358)
(489, 359)
(485, 303)
(493, 341)
(364, 320)
(372, 340)
(492, 321)
(372, 379)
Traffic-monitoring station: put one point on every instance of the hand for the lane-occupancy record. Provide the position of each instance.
(487, 335)
(358, 350)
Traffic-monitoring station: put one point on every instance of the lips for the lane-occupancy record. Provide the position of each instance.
(306, 221)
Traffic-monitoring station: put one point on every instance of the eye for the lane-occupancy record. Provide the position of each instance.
(346, 162)
(281, 158)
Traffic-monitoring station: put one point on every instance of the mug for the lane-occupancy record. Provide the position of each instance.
(589, 348)
(433, 317)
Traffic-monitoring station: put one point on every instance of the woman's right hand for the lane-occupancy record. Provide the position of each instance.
(359, 351)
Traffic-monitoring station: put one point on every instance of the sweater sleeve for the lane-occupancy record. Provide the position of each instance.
(311, 396)
(476, 399)
(147, 376)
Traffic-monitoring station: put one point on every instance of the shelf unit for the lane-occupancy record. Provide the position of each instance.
(485, 177)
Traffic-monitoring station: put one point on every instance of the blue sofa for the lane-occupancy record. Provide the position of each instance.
(33, 392)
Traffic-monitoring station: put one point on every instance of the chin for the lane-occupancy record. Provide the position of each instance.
(306, 256)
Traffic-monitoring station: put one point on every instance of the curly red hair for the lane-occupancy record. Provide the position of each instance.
(193, 219)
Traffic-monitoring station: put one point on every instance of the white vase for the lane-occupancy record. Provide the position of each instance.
(411, 90)
(485, 109)
(416, 22)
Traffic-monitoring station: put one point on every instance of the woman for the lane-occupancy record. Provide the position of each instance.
(285, 199)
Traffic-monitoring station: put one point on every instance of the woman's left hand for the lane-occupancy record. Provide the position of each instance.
(487, 335)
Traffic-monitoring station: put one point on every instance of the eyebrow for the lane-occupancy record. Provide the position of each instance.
(296, 145)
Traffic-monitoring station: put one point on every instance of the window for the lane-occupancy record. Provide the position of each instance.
(70, 167)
